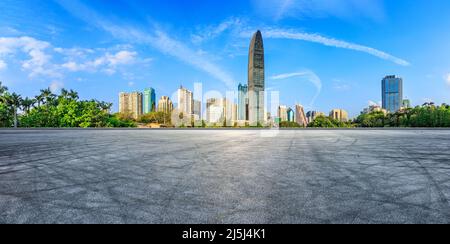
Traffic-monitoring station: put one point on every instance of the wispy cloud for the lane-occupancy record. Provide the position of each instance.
(447, 79)
(56, 86)
(372, 103)
(155, 38)
(212, 31)
(107, 63)
(341, 86)
(241, 28)
(38, 62)
(345, 9)
(332, 42)
(304, 75)
(3, 65)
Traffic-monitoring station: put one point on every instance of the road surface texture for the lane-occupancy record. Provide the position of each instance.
(224, 176)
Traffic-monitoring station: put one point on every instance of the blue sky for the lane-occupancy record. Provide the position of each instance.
(323, 54)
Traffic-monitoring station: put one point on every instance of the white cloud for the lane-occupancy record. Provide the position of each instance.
(346, 9)
(306, 75)
(427, 100)
(39, 60)
(213, 31)
(447, 79)
(239, 27)
(3, 65)
(10, 31)
(291, 34)
(156, 38)
(341, 86)
(56, 86)
(372, 103)
(107, 63)
(120, 58)
(169, 46)
(75, 52)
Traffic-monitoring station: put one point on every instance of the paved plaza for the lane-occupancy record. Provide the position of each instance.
(224, 176)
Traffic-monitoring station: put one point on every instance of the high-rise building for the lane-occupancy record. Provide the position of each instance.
(339, 114)
(242, 102)
(256, 80)
(406, 103)
(234, 113)
(131, 103)
(149, 100)
(283, 113)
(197, 110)
(392, 93)
(165, 105)
(290, 115)
(215, 109)
(374, 108)
(185, 101)
(312, 115)
(300, 116)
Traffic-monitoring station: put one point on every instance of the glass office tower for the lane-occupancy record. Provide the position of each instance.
(256, 80)
(392, 93)
(242, 102)
(149, 100)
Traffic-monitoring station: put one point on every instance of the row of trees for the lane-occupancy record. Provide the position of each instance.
(66, 110)
(427, 115)
(56, 111)
(327, 122)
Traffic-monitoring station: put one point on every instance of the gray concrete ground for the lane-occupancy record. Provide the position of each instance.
(168, 176)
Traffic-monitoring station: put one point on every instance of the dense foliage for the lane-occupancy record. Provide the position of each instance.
(286, 124)
(327, 122)
(66, 110)
(56, 111)
(155, 117)
(427, 115)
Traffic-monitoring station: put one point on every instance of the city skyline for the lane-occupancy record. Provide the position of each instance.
(321, 58)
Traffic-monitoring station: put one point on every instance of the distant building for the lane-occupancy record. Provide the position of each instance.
(406, 103)
(197, 110)
(215, 110)
(185, 102)
(300, 116)
(290, 115)
(392, 93)
(339, 114)
(282, 113)
(165, 105)
(242, 102)
(149, 100)
(312, 115)
(374, 108)
(256, 80)
(131, 103)
(234, 113)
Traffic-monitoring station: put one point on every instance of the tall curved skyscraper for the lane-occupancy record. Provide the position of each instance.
(256, 83)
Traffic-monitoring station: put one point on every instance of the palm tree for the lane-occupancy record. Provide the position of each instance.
(14, 101)
(105, 106)
(47, 95)
(39, 99)
(64, 93)
(73, 94)
(27, 103)
(3, 89)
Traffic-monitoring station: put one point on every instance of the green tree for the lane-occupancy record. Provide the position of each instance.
(323, 122)
(286, 124)
(27, 103)
(13, 102)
